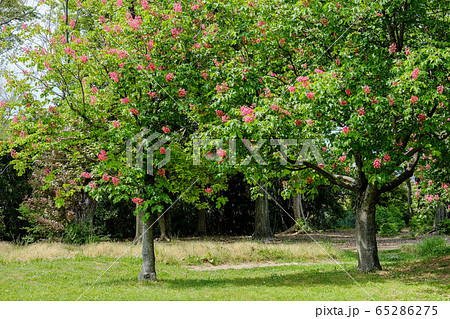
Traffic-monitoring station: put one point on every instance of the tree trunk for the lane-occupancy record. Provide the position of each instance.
(409, 189)
(366, 241)
(262, 222)
(163, 223)
(148, 251)
(201, 223)
(84, 211)
(139, 226)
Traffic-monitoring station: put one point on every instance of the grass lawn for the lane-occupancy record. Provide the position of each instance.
(404, 277)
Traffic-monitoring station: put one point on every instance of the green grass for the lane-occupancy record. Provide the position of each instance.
(405, 277)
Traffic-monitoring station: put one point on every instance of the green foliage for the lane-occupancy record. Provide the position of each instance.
(444, 226)
(389, 220)
(81, 234)
(433, 247)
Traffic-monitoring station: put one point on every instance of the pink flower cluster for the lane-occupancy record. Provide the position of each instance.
(387, 158)
(221, 153)
(137, 200)
(115, 181)
(366, 89)
(345, 129)
(135, 23)
(134, 111)
(177, 7)
(114, 76)
(392, 48)
(86, 175)
(440, 89)
(377, 163)
(181, 92)
(169, 77)
(303, 80)
(221, 88)
(208, 190)
(70, 52)
(102, 156)
(361, 111)
(414, 99)
(310, 95)
(415, 73)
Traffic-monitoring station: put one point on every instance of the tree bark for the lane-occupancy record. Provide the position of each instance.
(148, 251)
(139, 227)
(201, 223)
(163, 227)
(409, 194)
(262, 222)
(84, 211)
(366, 241)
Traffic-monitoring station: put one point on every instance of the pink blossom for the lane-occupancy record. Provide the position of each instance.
(93, 100)
(208, 190)
(105, 177)
(321, 166)
(70, 51)
(407, 50)
(221, 152)
(291, 88)
(13, 152)
(422, 117)
(282, 41)
(309, 122)
(104, 1)
(177, 7)
(298, 122)
(102, 156)
(145, 5)
(249, 118)
(304, 80)
(162, 150)
(165, 129)
(101, 19)
(415, 73)
(377, 163)
(116, 124)
(436, 197)
(119, 3)
(225, 118)
(414, 99)
(387, 158)
(2, 104)
(348, 92)
(137, 200)
(114, 76)
(84, 58)
(345, 129)
(222, 87)
(343, 102)
(440, 89)
(310, 95)
(86, 175)
(92, 185)
(430, 182)
(361, 111)
(134, 111)
(366, 89)
(169, 77)
(181, 92)
(115, 181)
(94, 90)
(245, 110)
(444, 186)
(162, 172)
(392, 48)
(72, 23)
(125, 100)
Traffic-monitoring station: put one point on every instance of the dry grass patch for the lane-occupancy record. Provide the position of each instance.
(176, 252)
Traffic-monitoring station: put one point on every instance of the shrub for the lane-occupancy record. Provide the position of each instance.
(389, 220)
(433, 246)
(444, 226)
